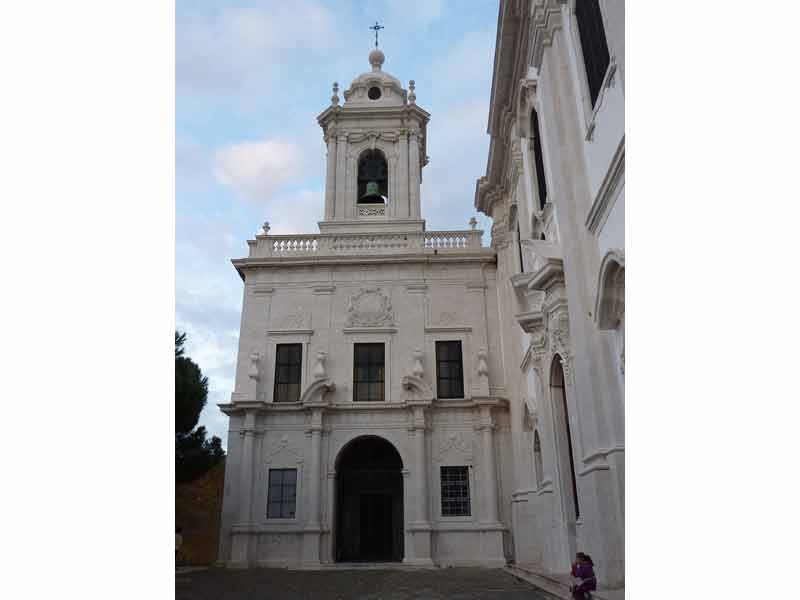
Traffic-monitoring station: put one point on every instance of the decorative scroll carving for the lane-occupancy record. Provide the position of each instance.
(454, 442)
(317, 390)
(296, 320)
(370, 307)
(418, 386)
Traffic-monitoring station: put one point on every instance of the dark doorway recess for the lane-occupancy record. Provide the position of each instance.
(369, 502)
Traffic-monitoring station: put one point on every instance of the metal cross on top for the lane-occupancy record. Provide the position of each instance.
(377, 28)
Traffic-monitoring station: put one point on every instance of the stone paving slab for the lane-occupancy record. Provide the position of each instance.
(282, 584)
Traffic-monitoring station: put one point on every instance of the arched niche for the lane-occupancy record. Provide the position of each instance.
(610, 296)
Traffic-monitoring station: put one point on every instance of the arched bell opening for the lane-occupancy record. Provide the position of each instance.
(369, 502)
(373, 177)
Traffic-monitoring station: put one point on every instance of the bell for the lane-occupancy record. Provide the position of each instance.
(373, 193)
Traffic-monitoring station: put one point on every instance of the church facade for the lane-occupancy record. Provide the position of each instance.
(411, 395)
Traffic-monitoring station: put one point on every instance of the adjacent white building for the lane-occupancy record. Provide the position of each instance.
(555, 189)
(409, 395)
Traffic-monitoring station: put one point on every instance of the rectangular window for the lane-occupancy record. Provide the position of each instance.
(449, 370)
(288, 362)
(455, 491)
(593, 44)
(368, 373)
(538, 160)
(282, 493)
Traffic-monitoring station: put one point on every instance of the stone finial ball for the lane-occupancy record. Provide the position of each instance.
(376, 58)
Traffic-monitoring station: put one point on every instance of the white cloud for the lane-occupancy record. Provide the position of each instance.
(297, 212)
(236, 48)
(256, 169)
(418, 12)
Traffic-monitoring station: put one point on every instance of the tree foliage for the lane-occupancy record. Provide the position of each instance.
(191, 389)
(194, 454)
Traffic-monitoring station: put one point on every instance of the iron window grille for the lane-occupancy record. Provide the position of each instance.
(455, 491)
(282, 495)
(288, 363)
(449, 370)
(368, 373)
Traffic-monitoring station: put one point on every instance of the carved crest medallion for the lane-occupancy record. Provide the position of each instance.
(370, 307)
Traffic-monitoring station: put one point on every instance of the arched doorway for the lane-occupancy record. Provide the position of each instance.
(369, 502)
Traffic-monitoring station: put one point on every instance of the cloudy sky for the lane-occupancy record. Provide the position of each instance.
(251, 77)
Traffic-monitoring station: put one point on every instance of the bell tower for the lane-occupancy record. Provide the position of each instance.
(376, 152)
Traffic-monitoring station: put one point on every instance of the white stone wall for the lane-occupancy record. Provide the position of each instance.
(566, 299)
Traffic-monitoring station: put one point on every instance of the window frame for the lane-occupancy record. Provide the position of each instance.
(274, 338)
(282, 502)
(460, 362)
(601, 82)
(369, 364)
(298, 365)
(468, 480)
(580, 75)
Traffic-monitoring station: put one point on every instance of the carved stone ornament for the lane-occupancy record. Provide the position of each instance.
(447, 319)
(483, 366)
(370, 307)
(417, 370)
(253, 372)
(454, 442)
(319, 367)
(296, 320)
(282, 446)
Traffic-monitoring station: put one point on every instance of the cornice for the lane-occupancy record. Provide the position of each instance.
(607, 193)
(485, 255)
(551, 273)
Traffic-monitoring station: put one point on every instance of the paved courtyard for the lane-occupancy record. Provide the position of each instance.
(280, 584)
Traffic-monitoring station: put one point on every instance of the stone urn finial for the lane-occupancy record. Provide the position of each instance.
(253, 372)
(319, 366)
(473, 222)
(483, 366)
(412, 95)
(265, 227)
(417, 369)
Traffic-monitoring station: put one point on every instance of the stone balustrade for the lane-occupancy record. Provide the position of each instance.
(363, 243)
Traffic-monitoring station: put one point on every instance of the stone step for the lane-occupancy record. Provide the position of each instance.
(558, 584)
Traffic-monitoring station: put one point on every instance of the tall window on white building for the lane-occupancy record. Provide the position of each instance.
(282, 493)
(368, 373)
(538, 161)
(288, 360)
(455, 491)
(449, 370)
(537, 460)
(593, 44)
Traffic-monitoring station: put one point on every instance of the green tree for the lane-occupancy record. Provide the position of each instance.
(194, 454)
(191, 389)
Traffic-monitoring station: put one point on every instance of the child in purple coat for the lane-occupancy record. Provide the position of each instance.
(583, 569)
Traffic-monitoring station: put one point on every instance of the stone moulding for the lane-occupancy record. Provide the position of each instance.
(607, 194)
